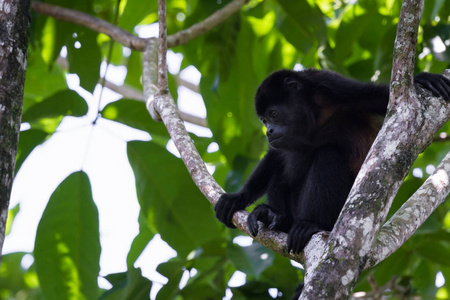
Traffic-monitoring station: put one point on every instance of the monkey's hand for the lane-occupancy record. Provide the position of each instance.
(273, 220)
(435, 83)
(227, 205)
(299, 235)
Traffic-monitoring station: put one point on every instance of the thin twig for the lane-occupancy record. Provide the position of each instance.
(184, 36)
(70, 15)
(129, 40)
(163, 83)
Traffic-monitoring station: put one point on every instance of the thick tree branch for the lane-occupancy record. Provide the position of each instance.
(13, 64)
(129, 40)
(412, 214)
(405, 52)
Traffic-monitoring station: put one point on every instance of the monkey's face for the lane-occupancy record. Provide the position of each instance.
(289, 127)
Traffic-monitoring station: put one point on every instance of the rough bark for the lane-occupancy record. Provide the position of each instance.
(14, 31)
(412, 214)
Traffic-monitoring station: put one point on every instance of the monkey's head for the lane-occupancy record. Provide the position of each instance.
(285, 105)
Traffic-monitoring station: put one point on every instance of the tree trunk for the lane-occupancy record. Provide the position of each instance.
(14, 31)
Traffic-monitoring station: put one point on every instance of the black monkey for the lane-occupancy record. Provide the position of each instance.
(320, 126)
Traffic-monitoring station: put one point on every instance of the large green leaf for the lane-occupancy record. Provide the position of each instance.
(169, 199)
(67, 247)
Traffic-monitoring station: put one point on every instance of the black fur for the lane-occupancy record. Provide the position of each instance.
(320, 126)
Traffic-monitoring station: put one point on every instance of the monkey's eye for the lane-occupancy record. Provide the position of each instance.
(273, 114)
(263, 120)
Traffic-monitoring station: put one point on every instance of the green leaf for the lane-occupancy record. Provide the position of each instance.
(230, 106)
(436, 251)
(252, 260)
(41, 81)
(134, 70)
(13, 278)
(62, 103)
(169, 199)
(12, 212)
(28, 140)
(309, 19)
(282, 275)
(349, 32)
(67, 247)
(135, 11)
(130, 285)
(394, 265)
(424, 277)
(173, 270)
(84, 61)
(140, 241)
(134, 113)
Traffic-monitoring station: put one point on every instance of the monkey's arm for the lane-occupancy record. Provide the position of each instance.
(254, 188)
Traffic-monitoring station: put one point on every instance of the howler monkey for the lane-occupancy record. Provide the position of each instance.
(320, 126)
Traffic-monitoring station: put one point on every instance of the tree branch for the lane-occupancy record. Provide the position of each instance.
(404, 56)
(13, 65)
(212, 21)
(150, 76)
(412, 214)
(129, 40)
(73, 16)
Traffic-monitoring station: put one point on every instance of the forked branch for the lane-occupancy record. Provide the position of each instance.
(129, 40)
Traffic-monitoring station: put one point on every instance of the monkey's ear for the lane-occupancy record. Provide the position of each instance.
(293, 84)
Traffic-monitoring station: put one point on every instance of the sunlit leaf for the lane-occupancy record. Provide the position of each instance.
(67, 247)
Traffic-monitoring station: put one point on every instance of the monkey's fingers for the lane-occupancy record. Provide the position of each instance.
(299, 235)
(443, 86)
(252, 223)
(260, 213)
